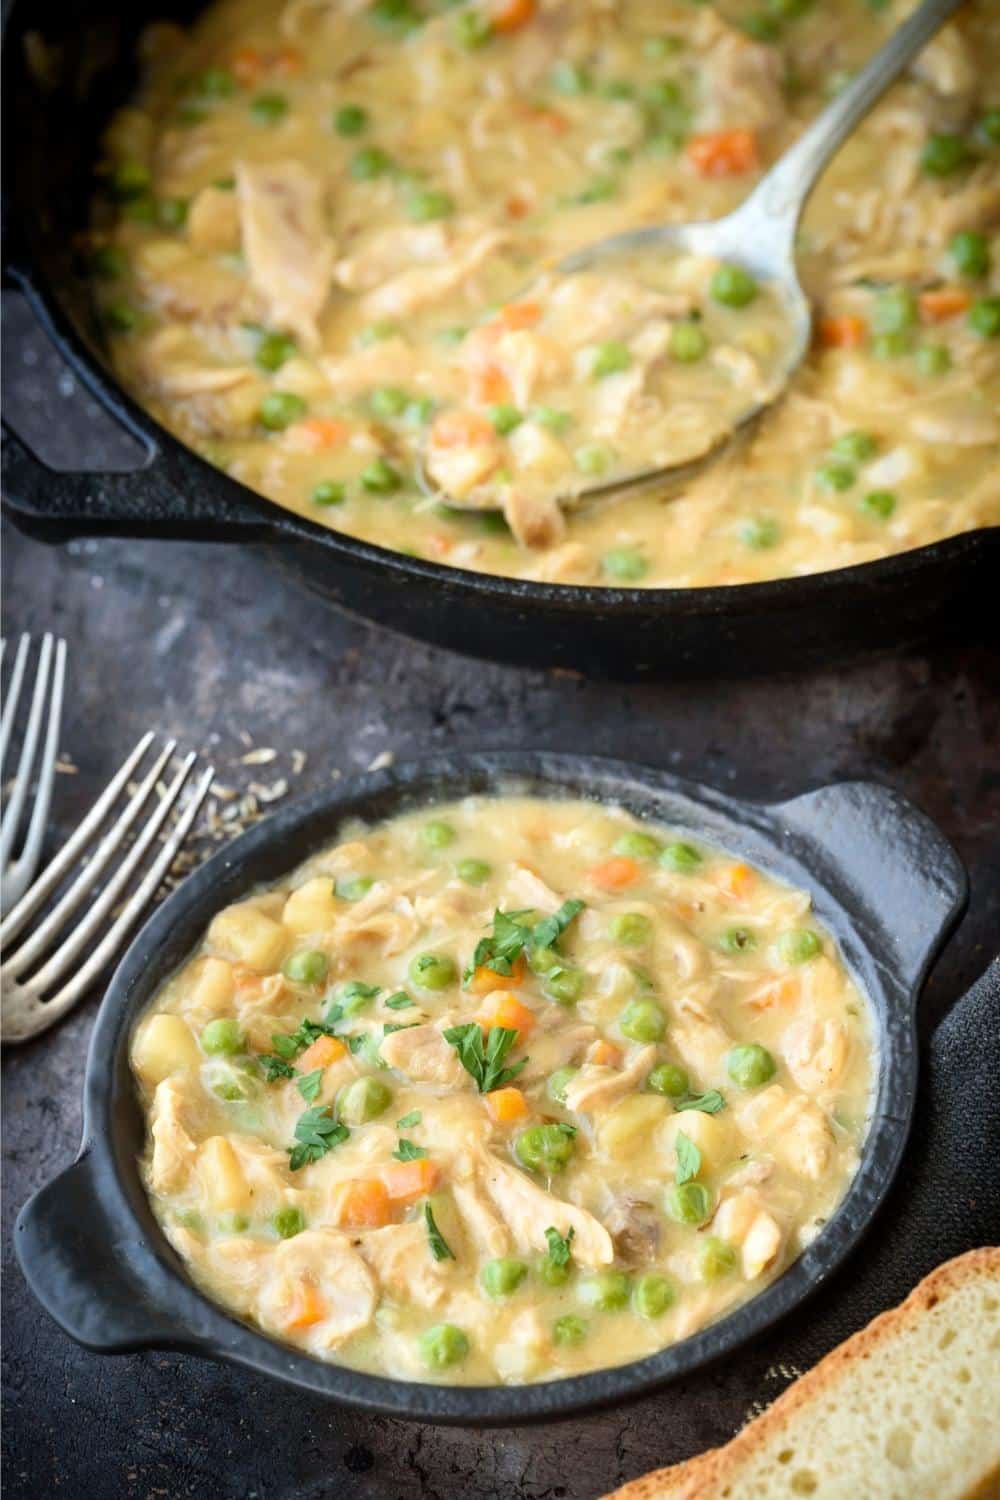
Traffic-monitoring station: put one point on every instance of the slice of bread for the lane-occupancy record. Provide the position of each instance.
(906, 1409)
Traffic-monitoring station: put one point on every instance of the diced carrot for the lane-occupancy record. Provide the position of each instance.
(736, 881)
(847, 332)
(782, 991)
(287, 62)
(615, 874)
(460, 429)
(507, 1105)
(605, 1054)
(553, 119)
(511, 15)
(489, 384)
(307, 1306)
(439, 545)
(504, 1009)
(942, 302)
(318, 433)
(723, 153)
(484, 979)
(324, 1051)
(363, 1203)
(516, 207)
(406, 1180)
(517, 315)
(247, 66)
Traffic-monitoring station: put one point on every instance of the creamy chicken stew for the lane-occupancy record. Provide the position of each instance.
(320, 218)
(503, 1091)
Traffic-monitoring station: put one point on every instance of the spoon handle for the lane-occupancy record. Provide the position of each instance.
(782, 194)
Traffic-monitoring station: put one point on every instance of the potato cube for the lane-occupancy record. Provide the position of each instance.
(712, 1134)
(622, 1130)
(223, 1182)
(211, 986)
(243, 934)
(163, 1045)
(311, 908)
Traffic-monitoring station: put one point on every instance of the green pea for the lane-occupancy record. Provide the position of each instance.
(688, 343)
(933, 359)
(636, 845)
(370, 162)
(288, 1222)
(437, 834)
(442, 1345)
(329, 492)
(879, 504)
(501, 1277)
(607, 1291)
(854, 447)
(350, 119)
(141, 210)
(221, 1037)
(472, 30)
(715, 1259)
(733, 286)
(272, 351)
(353, 887)
(652, 1295)
(214, 83)
(234, 1223)
(617, 88)
(642, 1021)
(681, 857)
(108, 262)
(268, 109)
(569, 1329)
(835, 476)
(120, 317)
(667, 1078)
(363, 1100)
(565, 986)
(388, 401)
(984, 317)
(553, 1274)
(750, 1065)
(892, 345)
(895, 310)
(802, 944)
(624, 564)
(419, 411)
(505, 418)
(374, 333)
(759, 532)
(543, 960)
(655, 48)
(989, 127)
(591, 458)
(432, 971)
(569, 78)
(970, 252)
(189, 1218)
(279, 409)
(130, 179)
(473, 871)
(610, 358)
(689, 1202)
(172, 212)
(355, 997)
(944, 154)
(544, 1148)
(556, 1085)
(737, 940)
(380, 478)
(630, 928)
(394, 15)
(423, 205)
(551, 418)
(308, 967)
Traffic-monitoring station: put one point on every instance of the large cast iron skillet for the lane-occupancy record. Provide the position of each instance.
(883, 880)
(66, 65)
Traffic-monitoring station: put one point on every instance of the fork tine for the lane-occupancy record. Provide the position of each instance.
(116, 935)
(22, 781)
(37, 944)
(57, 868)
(13, 691)
(81, 935)
(46, 771)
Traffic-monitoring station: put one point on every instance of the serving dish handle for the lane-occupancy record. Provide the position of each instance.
(61, 1239)
(901, 871)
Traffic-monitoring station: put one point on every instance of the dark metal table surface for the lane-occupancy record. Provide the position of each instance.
(213, 646)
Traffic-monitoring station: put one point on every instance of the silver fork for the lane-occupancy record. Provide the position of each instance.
(16, 873)
(34, 988)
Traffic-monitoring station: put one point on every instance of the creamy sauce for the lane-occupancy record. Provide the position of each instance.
(325, 209)
(342, 1152)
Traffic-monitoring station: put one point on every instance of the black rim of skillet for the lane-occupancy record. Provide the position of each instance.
(883, 880)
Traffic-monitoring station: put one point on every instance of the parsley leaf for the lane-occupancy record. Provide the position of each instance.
(709, 1103)
(408, 1151)
(355, 990)
(309, 1084)
(510, 936)
(400, 1001)
(316, 1132)
(439, 1245)
(413, 1118)
(688, 1159)
(287, 1046)
(275, 1067)
(559, 1245)
(484, 1063)
(550, 929)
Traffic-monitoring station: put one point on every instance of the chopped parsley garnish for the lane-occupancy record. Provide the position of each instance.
(439, 1245)
(560, 1250)
(550, 929)
(408, 1151)
(316, 1132)
(309, 1084)
(287, 1046)
(400, 1001)
(274, 1068)
(709, 1103)
(688, 1159)
(510, 936)
(407, 1121)
(484, 1063)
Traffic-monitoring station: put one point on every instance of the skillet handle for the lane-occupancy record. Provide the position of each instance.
(904, 875)
(79, 1271)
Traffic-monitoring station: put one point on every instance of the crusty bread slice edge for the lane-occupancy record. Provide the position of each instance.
(662, 1484)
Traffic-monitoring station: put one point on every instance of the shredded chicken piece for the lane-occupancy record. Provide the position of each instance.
(794, 1129)
(529, 1210)
(422, 1053)
(213, 221)
(744, 81)
(422, 286)
(536, 520)
(400, 1258)
(325, 1261)
(288, 249)
(741, 1219)
(595, 1087)
(386, 252)
(174, 1150)
(485, 1229)
(816, 1053)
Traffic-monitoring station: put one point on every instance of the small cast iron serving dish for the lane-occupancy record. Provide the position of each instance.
(67, 64)
(882, 878)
